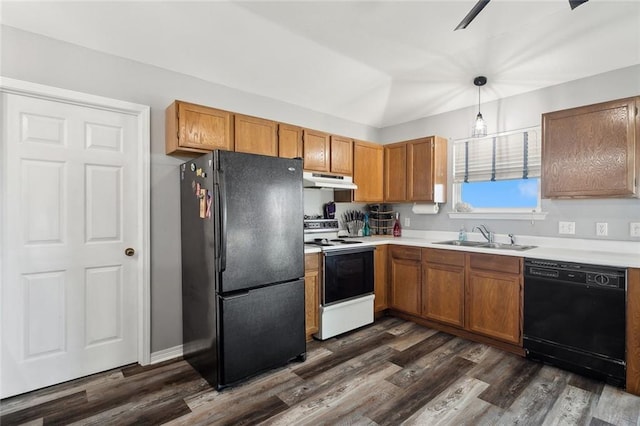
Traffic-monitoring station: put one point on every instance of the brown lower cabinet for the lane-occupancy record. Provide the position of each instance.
(381, 282)
(494, 296)
(477, 296)
(405, 275)
(311, 293)
(443, 286)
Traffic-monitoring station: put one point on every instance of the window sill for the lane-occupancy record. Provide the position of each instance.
(499, 215)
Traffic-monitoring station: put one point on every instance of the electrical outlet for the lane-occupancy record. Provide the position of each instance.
(634, 229)
(602, 229)
(407, 221)
(566, 228)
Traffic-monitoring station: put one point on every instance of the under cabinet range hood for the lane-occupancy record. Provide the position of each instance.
(322, 180)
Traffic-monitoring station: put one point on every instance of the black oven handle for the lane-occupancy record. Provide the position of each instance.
(341, 251)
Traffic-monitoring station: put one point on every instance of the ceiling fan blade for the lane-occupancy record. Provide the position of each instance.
(576, 3)
(472, 14)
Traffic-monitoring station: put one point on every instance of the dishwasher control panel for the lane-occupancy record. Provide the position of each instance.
(595, 275)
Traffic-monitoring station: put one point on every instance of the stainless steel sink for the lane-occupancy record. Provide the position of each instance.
(462, 243)
(506, 246)
(483, 244)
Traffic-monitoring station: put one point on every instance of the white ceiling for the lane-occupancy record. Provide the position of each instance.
(376, 63)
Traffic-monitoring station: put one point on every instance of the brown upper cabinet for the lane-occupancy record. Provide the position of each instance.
(327, 153)
(592, 151)
(316, 146)
(341, 155)
(289, 141)
(368, 166)
(413, 168)
(395, 172)
(191, 128)
(256, 135)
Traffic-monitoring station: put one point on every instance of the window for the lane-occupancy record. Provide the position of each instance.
(498, 173)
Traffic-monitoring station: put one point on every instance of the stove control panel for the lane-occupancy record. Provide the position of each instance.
(320, 225)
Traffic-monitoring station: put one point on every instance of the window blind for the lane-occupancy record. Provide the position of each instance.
(509, 155)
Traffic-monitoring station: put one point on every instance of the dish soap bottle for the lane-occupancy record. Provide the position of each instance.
(462, 234)
(366, 231)
(397, 231)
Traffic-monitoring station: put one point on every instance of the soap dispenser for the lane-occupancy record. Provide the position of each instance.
(462, 234)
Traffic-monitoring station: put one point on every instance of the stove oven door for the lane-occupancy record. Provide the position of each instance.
(348, 274)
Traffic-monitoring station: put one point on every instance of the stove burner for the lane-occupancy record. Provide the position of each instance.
(324, 242)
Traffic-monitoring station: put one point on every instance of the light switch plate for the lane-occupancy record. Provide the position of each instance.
(634, 229)
(407, 221)
(566, 228)
(602, 229)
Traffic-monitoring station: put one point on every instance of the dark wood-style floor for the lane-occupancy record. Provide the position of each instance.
(393, 372)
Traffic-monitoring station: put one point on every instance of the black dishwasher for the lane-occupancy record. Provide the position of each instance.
(574, 317)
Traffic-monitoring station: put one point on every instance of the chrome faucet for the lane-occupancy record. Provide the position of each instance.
(513, 239)
(485, 232)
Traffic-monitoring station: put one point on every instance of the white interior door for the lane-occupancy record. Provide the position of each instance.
(70, 294)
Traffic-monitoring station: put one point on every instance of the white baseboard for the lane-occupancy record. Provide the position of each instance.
(166, 354)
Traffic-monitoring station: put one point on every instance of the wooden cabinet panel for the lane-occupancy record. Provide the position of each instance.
(405, 277)
(406, 252)
(443, 293)
(368, 174)
(426, 167)
(591, 151)
(311, 293)
(419, 170)
(368, 170)
(197, 129)
(413, 168)
(395, 172)
(289, 141)
(316, 147)
(494, 305)
(381, 281)
(311, 261)
(444, 257)
(255, 135)
(341, 155)
(633, 331)
(496, 263)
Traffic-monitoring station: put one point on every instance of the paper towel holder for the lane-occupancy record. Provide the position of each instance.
(438, 198)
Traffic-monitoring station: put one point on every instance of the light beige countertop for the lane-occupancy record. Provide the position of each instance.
(597, 252)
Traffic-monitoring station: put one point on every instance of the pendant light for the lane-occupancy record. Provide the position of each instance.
(479, 127)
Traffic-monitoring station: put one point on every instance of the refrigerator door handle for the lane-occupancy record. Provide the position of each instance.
(235, 295)
(222, 205)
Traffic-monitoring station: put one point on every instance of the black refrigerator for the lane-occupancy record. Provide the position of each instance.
(242, 264)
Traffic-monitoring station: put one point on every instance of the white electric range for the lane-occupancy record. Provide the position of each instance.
(347, 278)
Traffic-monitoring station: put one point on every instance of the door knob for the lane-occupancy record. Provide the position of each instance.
(129, 251)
